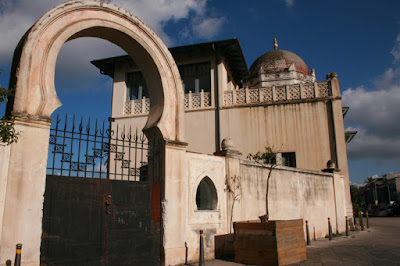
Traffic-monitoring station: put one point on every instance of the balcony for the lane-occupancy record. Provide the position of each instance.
(192, 101)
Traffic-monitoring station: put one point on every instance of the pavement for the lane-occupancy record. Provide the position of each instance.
(377, 245)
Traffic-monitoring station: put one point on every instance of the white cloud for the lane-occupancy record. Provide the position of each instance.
(389, 78)
(74, 70)
(396, 49)
(289, 3)
(369, 145)
(209, 27)
(156, 13)
(375, 115)
(17, 16)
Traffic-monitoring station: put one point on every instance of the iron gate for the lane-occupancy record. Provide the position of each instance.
(102, 202)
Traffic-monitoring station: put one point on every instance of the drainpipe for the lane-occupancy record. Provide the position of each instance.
(217, 114)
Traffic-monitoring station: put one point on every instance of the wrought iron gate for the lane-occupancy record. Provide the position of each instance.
(102, 202)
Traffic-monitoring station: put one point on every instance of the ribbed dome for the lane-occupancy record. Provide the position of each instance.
(277, 61)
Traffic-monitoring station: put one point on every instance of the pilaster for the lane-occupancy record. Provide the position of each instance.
(4, 166)
(340, 141)
(174, 203)
(22, 222)
(232, 169)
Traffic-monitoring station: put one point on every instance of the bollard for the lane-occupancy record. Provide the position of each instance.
(308, 234)
(330, 228)
(186, 253)
(347, 226)
(367, 220)
(361, 221)
(314, 234)
(17, 261)
(201, 260)
(354, 218)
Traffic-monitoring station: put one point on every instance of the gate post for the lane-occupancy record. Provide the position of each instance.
(22, 221)
(174, 203)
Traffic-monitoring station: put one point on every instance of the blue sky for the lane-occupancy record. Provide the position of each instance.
(358, 39)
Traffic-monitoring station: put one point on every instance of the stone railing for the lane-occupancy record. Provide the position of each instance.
(277, 93)
(191, 101)
(197, 100)
(136, 107)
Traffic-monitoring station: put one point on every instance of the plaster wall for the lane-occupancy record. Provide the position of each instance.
(4, 163)
(23, 205)
(200, 131)
(299, 127)
(199, 127)
(293, 194)
(174, 205)
(212, 222)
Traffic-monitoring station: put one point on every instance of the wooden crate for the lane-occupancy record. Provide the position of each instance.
(224, 246)
(270, 243)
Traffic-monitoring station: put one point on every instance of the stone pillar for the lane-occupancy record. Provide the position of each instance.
(340, 141)
(232, 168)
(22, 222)
(340, 199)
(4, 162)
(174, 203)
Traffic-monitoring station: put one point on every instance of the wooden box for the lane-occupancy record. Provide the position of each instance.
(270, 243)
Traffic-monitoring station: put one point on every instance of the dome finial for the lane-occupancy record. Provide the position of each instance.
(275, 43)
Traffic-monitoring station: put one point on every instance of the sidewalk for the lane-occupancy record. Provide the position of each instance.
(377, 245)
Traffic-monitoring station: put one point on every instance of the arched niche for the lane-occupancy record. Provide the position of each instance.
(35, 59)
(206, 195)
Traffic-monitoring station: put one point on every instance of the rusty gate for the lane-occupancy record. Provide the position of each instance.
(102, 202)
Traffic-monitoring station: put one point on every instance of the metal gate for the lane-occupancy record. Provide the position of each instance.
(102, 202)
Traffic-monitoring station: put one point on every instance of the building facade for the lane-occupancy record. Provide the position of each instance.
(277, 103)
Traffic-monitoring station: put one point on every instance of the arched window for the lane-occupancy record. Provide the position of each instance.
(206, 195)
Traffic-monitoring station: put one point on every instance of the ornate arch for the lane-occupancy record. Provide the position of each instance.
(36, 55)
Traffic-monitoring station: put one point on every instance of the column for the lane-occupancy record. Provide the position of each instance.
(23, 206)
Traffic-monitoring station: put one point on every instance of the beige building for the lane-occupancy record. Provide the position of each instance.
(278, 103)
(205, 109)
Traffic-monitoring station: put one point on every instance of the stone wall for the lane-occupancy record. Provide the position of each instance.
(293, 194)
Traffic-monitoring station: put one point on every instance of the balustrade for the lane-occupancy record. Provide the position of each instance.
(191, 101)
(276, 93)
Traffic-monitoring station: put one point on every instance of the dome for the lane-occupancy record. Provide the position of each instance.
(277, 61)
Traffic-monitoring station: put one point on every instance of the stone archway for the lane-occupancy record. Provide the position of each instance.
(36, 99)
(36, 95)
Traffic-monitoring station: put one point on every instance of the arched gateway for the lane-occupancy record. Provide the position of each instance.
(36, 99)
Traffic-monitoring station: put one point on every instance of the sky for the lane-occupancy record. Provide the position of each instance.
(358, 39)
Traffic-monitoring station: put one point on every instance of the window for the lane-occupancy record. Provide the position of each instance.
(136, 86)
(196, 77)
(270, 159)
(289, 159)
(206, 195)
